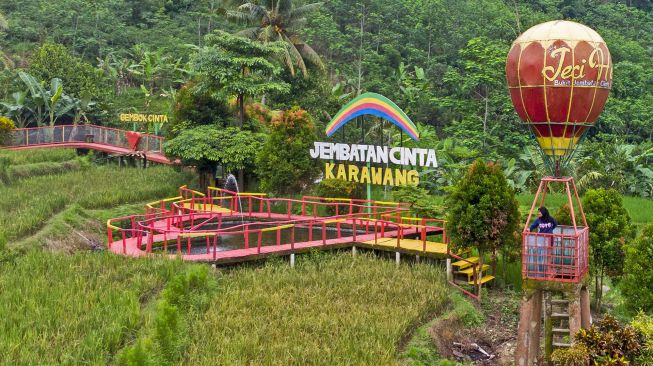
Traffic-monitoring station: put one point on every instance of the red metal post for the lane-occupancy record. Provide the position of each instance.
(215, 245)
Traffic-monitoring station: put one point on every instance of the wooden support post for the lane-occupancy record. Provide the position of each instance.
(585, 314)
(353, 251)
(535, 327)
(449, 270)
(523, 332)
(548, 327)
(398, 258)
(292, 260)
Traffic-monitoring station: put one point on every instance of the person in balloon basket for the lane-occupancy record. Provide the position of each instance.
(545, 224)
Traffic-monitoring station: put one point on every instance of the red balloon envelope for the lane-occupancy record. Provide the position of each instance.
(559, 75)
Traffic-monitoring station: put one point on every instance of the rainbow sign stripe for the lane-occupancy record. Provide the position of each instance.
(375, 105)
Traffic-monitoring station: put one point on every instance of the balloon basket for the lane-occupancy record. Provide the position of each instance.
(561, 256)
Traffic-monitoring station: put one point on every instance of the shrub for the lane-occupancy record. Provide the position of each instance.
(563, 215)
(336, 188)
(637, 285)
(608, 343)
(644, 325)
(6, 125)
(574, 356)
(284, 164)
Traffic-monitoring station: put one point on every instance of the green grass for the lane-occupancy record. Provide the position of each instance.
(25, 207)
(72, 310)
(21, 157)
(44, 168)
(329, 310)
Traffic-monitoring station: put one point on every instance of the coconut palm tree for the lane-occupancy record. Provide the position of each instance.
(279, 20)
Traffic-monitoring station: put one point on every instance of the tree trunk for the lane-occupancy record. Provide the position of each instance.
(360, 51)
(504, 268)
(241, 180)
(597, 291)
(241, 110)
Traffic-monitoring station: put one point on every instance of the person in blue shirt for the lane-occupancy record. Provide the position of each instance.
(545, 224)
(540, 250)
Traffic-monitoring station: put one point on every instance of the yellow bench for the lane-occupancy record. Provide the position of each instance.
(469, 271)
(483, 280)
(462, 264)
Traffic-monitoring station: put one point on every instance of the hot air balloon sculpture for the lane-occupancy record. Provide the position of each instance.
(559, 75)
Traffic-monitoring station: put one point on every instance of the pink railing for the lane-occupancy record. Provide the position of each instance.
(62, 134)
(181, 219)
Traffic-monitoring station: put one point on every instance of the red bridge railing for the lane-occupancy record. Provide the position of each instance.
(66, 134)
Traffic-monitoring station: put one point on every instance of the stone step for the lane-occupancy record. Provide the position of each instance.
(560, 315)
(561, 345)
(559, 301)
(561, 330)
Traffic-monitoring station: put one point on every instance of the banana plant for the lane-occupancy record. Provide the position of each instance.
(46, 104)
(37, 104)
(81, 107)
(16, 109)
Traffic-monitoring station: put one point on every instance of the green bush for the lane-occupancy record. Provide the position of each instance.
(336, 188)
(284, 164)
(609, 343)
(563, 215)
(644, 325)
(637, 284)
(6, 125)
(577, 355)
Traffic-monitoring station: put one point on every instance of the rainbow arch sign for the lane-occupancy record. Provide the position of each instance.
(376, 105)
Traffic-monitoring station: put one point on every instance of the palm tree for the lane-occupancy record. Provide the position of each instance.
(279, 20)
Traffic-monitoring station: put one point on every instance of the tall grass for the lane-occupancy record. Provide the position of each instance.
(329, 310)
(72, 310)
(25, 207)
(23, 171)
(20, 157)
